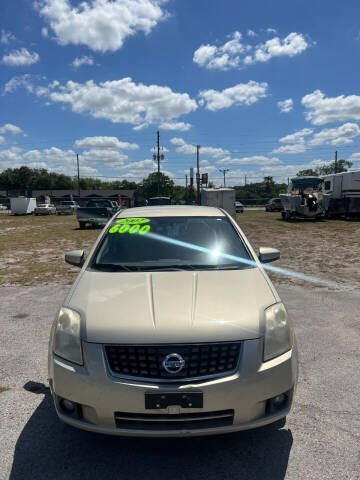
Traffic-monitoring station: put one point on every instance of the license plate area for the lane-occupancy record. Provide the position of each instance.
(155, 401)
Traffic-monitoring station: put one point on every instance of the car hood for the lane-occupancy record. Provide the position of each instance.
(176, 307)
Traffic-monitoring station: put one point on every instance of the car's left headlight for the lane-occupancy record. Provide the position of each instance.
(67, 340)
(278, 335)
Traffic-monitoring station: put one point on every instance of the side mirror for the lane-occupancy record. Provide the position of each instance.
(267, 254)
(75, 257)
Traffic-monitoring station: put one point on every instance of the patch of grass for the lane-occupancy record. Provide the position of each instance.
(32, 248)
(328, 249)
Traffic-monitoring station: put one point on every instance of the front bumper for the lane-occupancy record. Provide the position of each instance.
(100, 395)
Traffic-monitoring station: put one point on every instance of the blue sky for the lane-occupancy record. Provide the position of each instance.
(265, 88)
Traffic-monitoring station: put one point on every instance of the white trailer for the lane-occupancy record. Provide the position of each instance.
(221, 198)
(22, 205)
(344, 192)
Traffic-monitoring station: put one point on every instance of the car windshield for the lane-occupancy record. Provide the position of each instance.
(165, 243)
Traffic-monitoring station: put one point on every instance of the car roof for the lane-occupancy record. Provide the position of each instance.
(172, 211)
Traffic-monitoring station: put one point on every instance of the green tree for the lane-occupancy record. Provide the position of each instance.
(342, 166)
(308, 172)
(149, 186)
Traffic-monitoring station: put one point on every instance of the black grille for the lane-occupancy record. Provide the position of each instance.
(201, 360)
(159, 422)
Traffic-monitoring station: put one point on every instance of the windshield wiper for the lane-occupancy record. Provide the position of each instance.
(111, 267)
(165, 268)
(218, 267)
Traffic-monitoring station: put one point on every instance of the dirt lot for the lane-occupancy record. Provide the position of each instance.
(32, 248)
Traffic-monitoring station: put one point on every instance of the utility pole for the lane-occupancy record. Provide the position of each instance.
(186, 182)
(78, 173)
(158, 163)
(198, 174)
(245, 179)
(336, 162)
(224, 172)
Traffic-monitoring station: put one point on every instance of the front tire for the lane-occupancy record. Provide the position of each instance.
(82, 225)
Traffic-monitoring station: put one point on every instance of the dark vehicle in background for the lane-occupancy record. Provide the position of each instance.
(159, 201)
(68, 207)
(239, 207)
(274, 205)
(96, 213)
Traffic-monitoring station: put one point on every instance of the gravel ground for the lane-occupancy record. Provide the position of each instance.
(320, 440)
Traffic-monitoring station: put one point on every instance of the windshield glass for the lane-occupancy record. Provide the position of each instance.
(157, 243)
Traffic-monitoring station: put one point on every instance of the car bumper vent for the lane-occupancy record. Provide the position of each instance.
(200, 360)
(165, 422)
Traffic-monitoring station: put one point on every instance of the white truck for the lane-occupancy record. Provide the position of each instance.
(221, 198)
(344, 192)
(22, 205)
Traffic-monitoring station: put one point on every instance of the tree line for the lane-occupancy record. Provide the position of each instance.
(27, 179)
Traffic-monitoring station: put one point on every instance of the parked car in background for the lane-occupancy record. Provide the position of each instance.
(134, 351)
(45, 209)
(159, 201)
(239, 207)
(68, 207)
(3, 208)
(274, 205)
(96, 213)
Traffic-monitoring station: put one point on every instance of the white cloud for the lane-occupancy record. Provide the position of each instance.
(251, 33)
(240, 94)
(271, 30)
(285, 106)
(254, 160)
(44, 32)
(104, 157)
(124, 101)
(101, 25)
(336, 136)
(292, 149)
(105, 142)
(9, 127)
(57, 156)
(323, 110)
(290, 46)
(355, 157)
(53, 158)
(204, 55)
(141, 169)
(80, 61)
(236, 54)
(2, 139)
(32, 156)
(189, 149)
(148, 165)
(20, 58)
(181, 126)
(296, 137)
(6, 37)
(21, 81)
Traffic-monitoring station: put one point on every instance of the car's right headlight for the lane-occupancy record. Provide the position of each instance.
(67, 340)
(278, 335)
